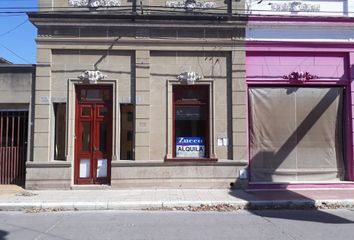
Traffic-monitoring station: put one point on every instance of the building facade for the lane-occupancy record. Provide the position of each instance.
(16, 84)
(139, 94)
(193, 94)
(299, 57)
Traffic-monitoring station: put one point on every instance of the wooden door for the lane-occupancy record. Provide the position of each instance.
(93, 134)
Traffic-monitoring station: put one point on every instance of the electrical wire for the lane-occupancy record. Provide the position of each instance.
(147, 7)
(8, 49)
(128, 8)
(13, 29)
(13, 15)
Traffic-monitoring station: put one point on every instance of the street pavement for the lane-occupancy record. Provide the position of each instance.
(18, 199)
(157, 225)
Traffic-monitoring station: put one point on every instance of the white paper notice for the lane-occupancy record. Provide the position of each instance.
(84, 168)
(102, 168)
(223, 141)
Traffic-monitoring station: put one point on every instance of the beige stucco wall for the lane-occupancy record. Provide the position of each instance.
(52, 86)
(143, 59)
(16, 84)
(155, 174)
(15, 87)
(167, 66)
(48, 175)
(116, 65)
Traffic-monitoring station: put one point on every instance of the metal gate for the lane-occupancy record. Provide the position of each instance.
(13, 146)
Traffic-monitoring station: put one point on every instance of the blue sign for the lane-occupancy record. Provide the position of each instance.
(190, 141)
(190, 147)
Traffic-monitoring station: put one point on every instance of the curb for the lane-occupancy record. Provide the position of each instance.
(180, 205)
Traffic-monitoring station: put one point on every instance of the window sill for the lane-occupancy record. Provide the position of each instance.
(191, 159)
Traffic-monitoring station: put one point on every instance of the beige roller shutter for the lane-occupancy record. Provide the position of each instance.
(296, 134)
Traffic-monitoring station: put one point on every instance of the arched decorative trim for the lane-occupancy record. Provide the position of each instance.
(92, 77)
(190, 5)
(94, 3)
(188, 77)
(300, 77)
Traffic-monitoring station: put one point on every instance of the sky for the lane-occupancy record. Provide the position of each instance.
(17, 33)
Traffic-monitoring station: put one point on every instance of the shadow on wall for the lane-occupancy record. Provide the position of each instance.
(271, 161)
(308, 122)
(286, 198)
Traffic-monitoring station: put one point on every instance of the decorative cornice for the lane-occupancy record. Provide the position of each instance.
(94, 3)
(190, 5)
(294, 6)
(300, 76)
(188, 77)
(168, 44)
(110, 19)
(91, 76)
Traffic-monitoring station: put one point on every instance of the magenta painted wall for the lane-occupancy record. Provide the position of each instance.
(265, 66)
(267, 62)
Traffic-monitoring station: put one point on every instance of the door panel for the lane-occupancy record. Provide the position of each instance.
(94, 135)
(86, 130)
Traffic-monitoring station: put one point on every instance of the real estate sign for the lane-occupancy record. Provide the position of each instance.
(190, 147)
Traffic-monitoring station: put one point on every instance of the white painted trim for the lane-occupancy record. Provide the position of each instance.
(300, 7)
(296, 34)
(212, 143)
(70, 131)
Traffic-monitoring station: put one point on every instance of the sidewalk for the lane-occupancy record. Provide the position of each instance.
(17, 199)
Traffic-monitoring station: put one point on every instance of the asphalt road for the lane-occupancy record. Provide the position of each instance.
(269, 224)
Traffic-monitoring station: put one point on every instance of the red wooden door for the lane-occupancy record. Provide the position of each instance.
(93, 134)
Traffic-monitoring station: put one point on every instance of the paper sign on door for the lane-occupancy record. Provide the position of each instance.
(84, 168)
(102, 168)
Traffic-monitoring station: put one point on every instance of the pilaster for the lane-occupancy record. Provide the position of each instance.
(350, 119)
(142, 102)
(239, 106)
(41, 140)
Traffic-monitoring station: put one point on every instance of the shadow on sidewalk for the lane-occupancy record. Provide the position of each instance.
(290, 202)
(309, 216)
(261, 202)
(3, 235)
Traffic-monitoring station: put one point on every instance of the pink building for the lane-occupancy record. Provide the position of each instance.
(300, 69)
